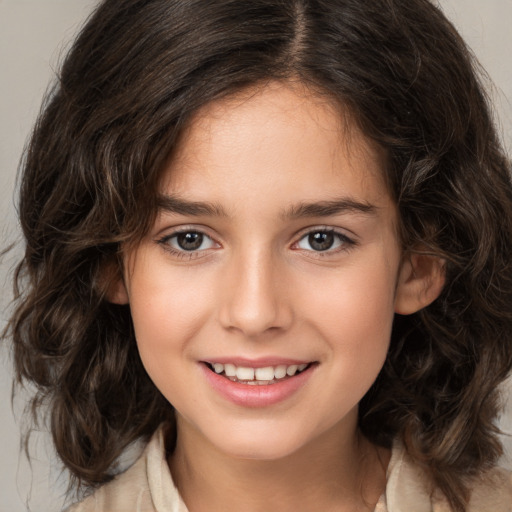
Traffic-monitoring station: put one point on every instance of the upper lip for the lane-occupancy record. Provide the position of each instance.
(259, 362)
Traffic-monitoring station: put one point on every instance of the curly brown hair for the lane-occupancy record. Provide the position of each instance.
(136, 74)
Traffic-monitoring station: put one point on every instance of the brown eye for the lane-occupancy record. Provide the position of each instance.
(188, 241)
(191, 241)
(321, 240)
(324, 240)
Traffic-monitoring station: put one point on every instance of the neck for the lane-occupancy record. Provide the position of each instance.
(341, 473)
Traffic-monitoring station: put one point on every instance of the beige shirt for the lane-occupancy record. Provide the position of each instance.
(148, 487)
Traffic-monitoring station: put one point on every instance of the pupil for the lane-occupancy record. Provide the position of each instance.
(190, 241)
(321, 241)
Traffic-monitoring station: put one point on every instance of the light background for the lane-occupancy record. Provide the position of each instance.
(33, 37)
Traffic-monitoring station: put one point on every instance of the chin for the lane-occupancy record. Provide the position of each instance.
(259, 451)
(263, 444)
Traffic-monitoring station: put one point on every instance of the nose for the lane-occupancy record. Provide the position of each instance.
(255, 295)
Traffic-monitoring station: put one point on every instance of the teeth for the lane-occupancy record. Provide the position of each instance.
(292, 370)
(230, 370)
(266, 373)
(255, 376)
(280, 371)
(244, 373)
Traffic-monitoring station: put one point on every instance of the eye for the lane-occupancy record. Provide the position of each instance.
(324, 240)
(188, 241)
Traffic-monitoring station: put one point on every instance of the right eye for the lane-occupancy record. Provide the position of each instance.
(188, 242)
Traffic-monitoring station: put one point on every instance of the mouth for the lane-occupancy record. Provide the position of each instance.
(261, 376)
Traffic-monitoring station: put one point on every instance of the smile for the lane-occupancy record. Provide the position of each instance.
(257, 376)
(257, 384)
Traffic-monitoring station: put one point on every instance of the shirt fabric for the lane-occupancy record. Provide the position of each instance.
(147, 486)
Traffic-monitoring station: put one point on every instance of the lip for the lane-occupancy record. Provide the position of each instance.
(255, 396)
(257, 363)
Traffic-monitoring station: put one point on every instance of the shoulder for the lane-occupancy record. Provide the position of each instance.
(125, 493)
(145, 487)
(407, 489)
(493, 491)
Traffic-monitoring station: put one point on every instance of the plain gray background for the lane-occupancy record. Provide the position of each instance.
(33, 36)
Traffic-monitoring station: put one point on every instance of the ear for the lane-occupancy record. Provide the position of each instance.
(117, 293)
(420, 282)
(114, 287)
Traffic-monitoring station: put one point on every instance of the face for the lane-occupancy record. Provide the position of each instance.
(264, 294)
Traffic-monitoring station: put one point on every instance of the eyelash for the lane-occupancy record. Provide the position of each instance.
(345, 242)
(182, 253)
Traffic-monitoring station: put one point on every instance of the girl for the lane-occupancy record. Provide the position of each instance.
(271, 240)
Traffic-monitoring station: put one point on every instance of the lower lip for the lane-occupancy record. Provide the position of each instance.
(248, 395)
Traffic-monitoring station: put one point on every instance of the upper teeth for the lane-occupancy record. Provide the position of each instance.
(266, 373)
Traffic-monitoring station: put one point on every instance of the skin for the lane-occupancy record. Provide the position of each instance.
(256, 287)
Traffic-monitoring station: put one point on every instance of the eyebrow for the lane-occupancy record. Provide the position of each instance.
(329, 208)
(175, 204)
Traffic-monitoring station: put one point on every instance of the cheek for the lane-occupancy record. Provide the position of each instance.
(164, 299)
(353, 312)
(168, 308)
(353, 299)
(357, 322)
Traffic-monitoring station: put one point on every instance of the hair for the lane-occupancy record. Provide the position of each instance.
(133, 79)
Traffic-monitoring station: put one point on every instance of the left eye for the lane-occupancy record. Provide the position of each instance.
(321, 241)
(190, 241)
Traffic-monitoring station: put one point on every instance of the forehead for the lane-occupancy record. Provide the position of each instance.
(279, 137)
